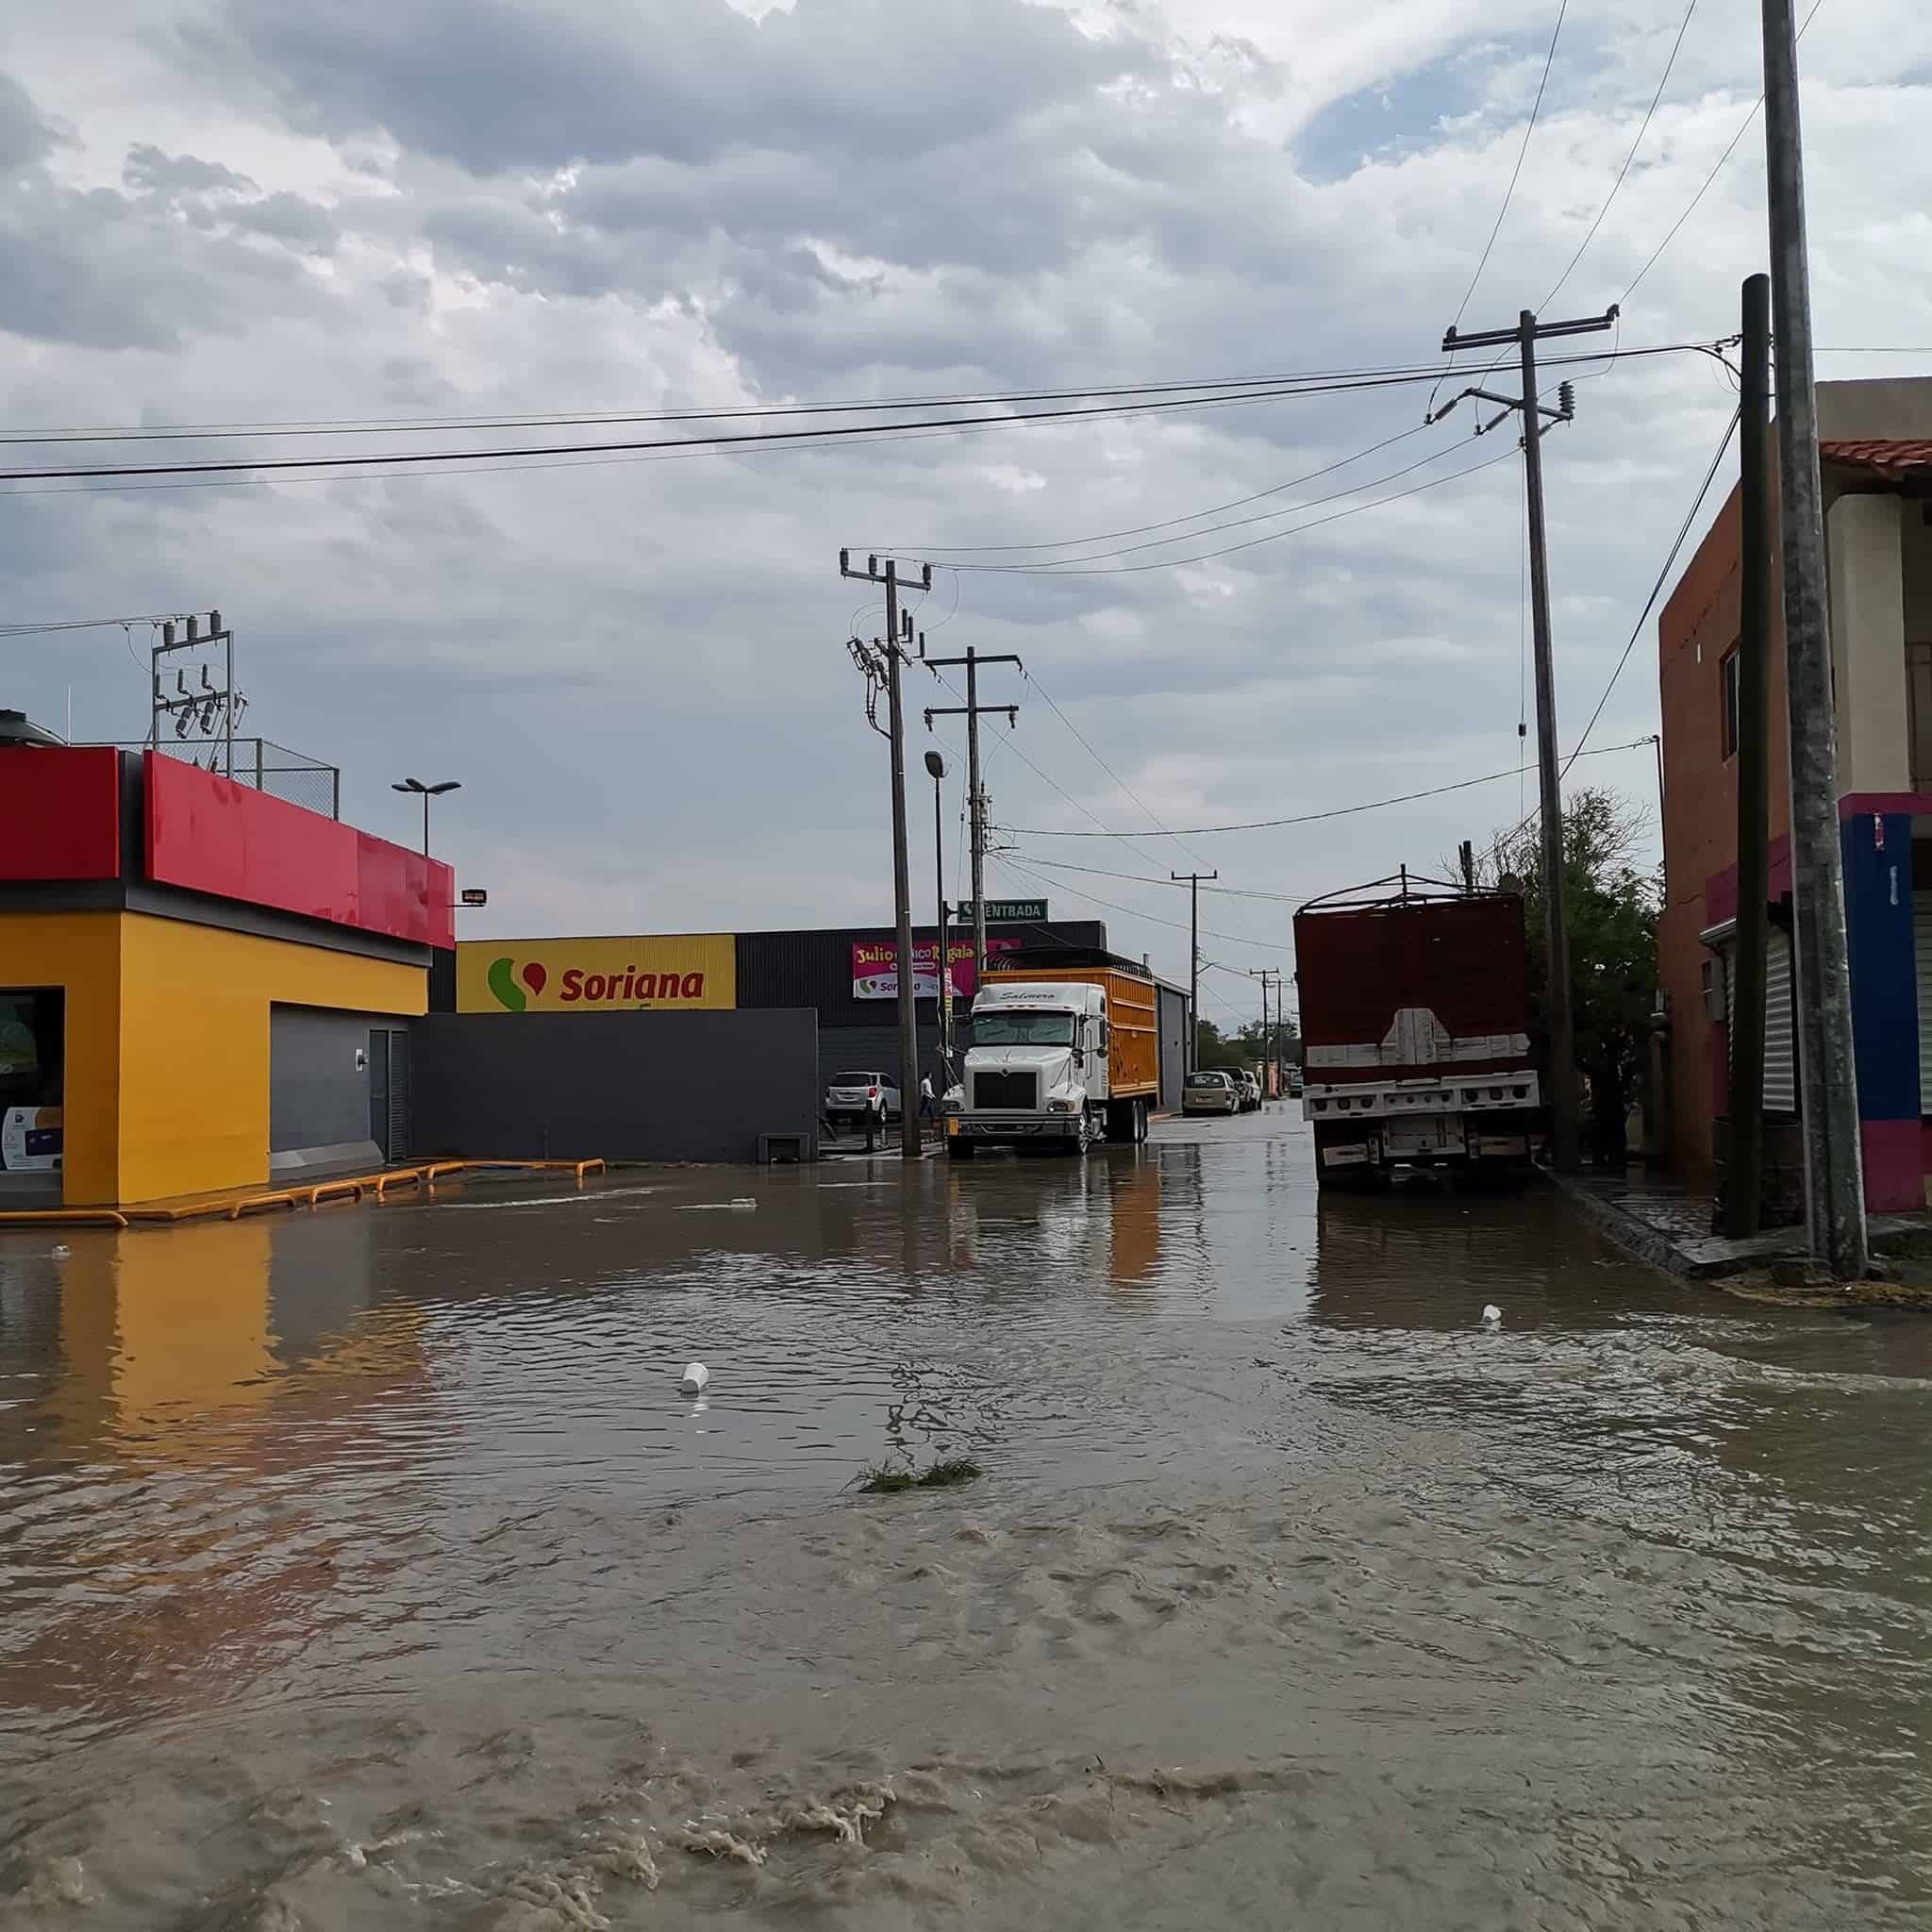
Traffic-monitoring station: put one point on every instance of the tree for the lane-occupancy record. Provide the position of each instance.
(1249, 1046)
(1611, 911)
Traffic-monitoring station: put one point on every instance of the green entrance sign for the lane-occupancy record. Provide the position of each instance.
(1005, 912)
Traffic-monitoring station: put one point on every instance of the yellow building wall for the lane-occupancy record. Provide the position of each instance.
(195, 1045)
(80, 953)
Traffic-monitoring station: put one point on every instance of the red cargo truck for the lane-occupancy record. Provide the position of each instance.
(1415, 1020)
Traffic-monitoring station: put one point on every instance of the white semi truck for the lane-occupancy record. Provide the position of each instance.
(1059, 1058)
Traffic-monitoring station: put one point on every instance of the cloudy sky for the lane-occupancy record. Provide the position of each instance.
(247, 212)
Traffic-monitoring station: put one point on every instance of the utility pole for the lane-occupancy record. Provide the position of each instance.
(970, 711)
(1525, 335)
(1828, 1072)
(1193, 881)
(1270, 1037)
(1261, 973)
(1744, 1182)
(894, 655)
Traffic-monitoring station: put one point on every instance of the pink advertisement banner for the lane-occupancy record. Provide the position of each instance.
(876, 968)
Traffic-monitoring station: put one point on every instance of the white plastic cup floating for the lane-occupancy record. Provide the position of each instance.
(61, 1251)
(1492, 1315)
(695, 1377)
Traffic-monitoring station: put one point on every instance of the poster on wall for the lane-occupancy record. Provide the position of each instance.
(683, 972)
(876, 968)
(30, 1139)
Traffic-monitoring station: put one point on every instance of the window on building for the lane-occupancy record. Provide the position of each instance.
(1728, 685)
(1919, 712)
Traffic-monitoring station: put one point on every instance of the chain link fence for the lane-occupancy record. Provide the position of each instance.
(268, 767)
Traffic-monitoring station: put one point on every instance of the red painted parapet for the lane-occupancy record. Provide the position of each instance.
(210, 834)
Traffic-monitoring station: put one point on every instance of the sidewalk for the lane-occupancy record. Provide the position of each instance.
(1669, 1227)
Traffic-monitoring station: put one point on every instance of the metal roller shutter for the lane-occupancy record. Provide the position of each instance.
(1921, 942)
(1781, 1020)
(1780, 1027)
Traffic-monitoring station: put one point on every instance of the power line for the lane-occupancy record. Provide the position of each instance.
(1149, 879)
(399, 458)
(1310, 818)
(1509, 193)
(939, 550)
(1059, 564)
(1683, 28)
(1743, 129)
(1643, 616)
(1007, 859)
(1108, 569)
(33, 630)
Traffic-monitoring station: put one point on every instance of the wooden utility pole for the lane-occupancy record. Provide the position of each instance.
(1525, 335)
(970, 711)
(897, 635)
(1193, 881)
(1744, 1180)
(1833, 1166)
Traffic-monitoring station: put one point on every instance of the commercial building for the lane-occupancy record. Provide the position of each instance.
(1875, 453)
(844, 979)
(202, 986)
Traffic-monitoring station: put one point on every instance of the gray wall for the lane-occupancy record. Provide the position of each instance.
(1174, 1045)
(317, 1095)
(635, 1086)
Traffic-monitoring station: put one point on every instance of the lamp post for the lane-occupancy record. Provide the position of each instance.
(937, 766)
(427, 791)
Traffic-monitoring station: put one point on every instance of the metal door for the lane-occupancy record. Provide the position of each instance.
(397, 1146)
(378, 1089)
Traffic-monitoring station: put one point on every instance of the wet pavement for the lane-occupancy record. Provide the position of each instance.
(366, 1566)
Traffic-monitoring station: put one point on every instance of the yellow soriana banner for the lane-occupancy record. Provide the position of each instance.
(602, 975)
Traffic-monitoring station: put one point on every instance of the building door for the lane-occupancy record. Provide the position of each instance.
(389, 1092)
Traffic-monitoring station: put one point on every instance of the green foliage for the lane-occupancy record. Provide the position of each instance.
(1611, 912)
(892, 1479)
(1223, 1052)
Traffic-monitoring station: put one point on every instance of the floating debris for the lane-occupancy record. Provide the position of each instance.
(695, 1378)
(891, 1479)
(1492, 1315)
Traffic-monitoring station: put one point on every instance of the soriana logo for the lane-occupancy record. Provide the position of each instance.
(598, 976)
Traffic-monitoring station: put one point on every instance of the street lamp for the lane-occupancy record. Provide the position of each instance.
(937, 766)
(427, 791)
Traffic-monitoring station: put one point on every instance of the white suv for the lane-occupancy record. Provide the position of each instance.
(852, 1099)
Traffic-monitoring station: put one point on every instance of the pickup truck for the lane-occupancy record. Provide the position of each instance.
(1058, 1059)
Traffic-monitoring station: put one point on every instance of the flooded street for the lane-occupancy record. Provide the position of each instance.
(366, 1568)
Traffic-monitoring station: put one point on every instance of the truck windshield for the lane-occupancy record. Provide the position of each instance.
(1022, 1029)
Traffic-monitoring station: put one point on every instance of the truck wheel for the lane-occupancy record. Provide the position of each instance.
(959, 1149)
(1083, 1136)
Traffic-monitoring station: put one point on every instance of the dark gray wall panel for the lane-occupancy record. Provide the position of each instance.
(1174, 1045)
(636, 1086)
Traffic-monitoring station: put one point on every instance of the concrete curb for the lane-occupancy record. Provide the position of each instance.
(1635, 1236)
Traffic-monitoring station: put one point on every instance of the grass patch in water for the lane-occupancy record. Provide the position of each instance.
(890, 1480)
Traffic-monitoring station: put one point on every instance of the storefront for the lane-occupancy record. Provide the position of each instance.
(157, 924)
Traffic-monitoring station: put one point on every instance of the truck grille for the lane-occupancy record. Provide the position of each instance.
(1007, 1090)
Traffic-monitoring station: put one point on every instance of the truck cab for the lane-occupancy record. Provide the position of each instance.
(1050, 1064)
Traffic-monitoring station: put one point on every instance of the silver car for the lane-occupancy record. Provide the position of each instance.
(1210, 1093)
(854, 1098)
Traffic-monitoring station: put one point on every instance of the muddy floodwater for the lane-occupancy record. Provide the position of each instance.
(367, 1569)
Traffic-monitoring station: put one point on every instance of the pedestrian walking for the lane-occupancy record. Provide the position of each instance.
(928, 1108)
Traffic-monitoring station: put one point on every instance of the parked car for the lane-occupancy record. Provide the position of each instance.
(1251, 1093)
(1210, 1093)
(852, 1099)
(1293, 1079)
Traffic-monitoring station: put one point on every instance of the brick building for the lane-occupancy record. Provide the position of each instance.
(1876, 450)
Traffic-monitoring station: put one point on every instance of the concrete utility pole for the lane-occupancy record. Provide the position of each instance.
(1270, 1037)
(1828, 1072)
(970, 711)
(1193, 881)
(897, 634)
(1744, 1182)
(1525, 336)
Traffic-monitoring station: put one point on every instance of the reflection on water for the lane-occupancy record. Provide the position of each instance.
(369, 1562)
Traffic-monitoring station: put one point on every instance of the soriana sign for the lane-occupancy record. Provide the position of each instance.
(876, 968)
(685, 971)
